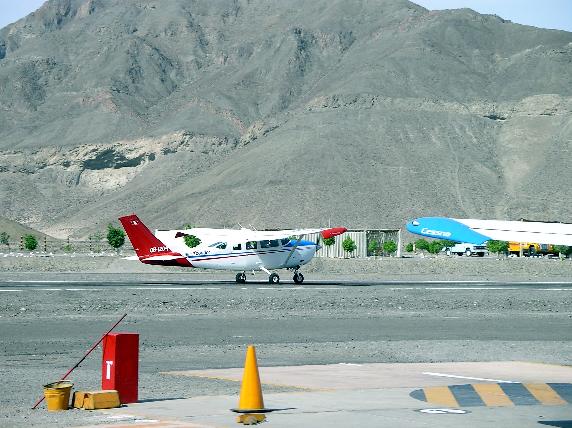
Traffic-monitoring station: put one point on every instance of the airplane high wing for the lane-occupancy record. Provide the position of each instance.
(479, 231)
(229, 249)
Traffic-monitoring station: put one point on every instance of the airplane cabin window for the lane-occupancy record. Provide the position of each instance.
(274, 243)
(237, 247)
(251, 245)
(265, 244)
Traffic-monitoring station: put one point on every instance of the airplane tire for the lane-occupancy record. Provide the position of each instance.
(468, 253)
(298, 278)
(240, 278)
(274, 278)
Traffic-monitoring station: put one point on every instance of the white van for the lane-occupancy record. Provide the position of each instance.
(467, 249)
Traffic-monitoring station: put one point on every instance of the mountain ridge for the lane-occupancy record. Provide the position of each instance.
(279, 114)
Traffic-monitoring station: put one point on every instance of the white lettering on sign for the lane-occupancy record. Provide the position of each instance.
(108, 369)
(158, 249)
(435, 232)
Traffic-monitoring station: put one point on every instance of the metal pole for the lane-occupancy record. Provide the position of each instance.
(84, 357)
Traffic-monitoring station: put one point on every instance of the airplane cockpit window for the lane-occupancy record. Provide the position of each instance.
(251, 245)
(274, 243)
(285, 241)
(265, 244)
(237, 247)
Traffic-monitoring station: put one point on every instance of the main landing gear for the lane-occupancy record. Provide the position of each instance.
(298, 277)
(273, 278)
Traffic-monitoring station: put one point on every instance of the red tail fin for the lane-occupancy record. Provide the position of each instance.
(144, 242)
(148, 247)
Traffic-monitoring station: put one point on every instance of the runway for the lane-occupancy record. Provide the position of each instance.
(205, 325)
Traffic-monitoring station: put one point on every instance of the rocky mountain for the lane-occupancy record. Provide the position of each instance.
(279, 114)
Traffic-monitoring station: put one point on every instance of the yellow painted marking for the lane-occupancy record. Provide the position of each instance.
(492, 394)
(440, 395)
(544, 394)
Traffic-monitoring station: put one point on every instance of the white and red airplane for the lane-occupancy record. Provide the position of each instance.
(228, 249)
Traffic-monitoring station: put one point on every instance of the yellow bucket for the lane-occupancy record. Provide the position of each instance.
(57, 395)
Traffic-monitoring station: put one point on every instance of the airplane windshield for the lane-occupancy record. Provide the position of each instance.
(221, 245)
(285, 241)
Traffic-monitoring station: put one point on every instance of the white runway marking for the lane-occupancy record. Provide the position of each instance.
(50, 289)
(468, 377)
(470, 288)
(169, 288)
(12, 291)
(83, 289)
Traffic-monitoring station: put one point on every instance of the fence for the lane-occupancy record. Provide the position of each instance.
(362, 238)
(50, 245)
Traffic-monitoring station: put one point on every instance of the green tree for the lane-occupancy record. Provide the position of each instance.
(192, 241)
(497, 246)
(349, 245)
(422, 244)
(5, 239)
(328, 242)
(115, 236)
(373, 247)
(30, 242)
(563, 250)
(448, 244)
(409, 247)
(435, 246)
(389, 247)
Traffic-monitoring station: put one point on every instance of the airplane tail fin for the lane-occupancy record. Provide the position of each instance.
(148, 247)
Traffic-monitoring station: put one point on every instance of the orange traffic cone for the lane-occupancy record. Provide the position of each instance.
(250, 400)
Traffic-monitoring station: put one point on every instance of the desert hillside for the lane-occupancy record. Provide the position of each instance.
(280, 114)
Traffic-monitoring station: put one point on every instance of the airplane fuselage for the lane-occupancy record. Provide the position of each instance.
(230, 253)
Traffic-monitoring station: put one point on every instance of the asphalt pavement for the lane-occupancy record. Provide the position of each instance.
(197, 325)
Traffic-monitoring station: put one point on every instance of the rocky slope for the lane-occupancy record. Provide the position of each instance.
(279, 114)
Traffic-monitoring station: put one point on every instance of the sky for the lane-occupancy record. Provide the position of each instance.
(539, 13)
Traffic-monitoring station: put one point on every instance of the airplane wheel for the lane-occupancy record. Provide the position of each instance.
(274, 278)
(298, 278)
(468, 253)
(240, 278)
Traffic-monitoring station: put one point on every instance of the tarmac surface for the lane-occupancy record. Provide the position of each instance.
(206, 323)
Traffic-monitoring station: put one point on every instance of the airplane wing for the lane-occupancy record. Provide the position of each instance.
(259, 235)
(479, 231)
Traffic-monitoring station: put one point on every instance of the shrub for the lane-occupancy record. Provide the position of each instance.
(497, 246)
(389, 247)
(409, 247)
(115, 236)
(422, 244)
(434, 247)
(373, 247)
(30, 242)
(4, 239)
(328, 242)
(349, 245)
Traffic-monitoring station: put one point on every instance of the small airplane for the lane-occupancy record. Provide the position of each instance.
(479, 231)
(228, 249)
